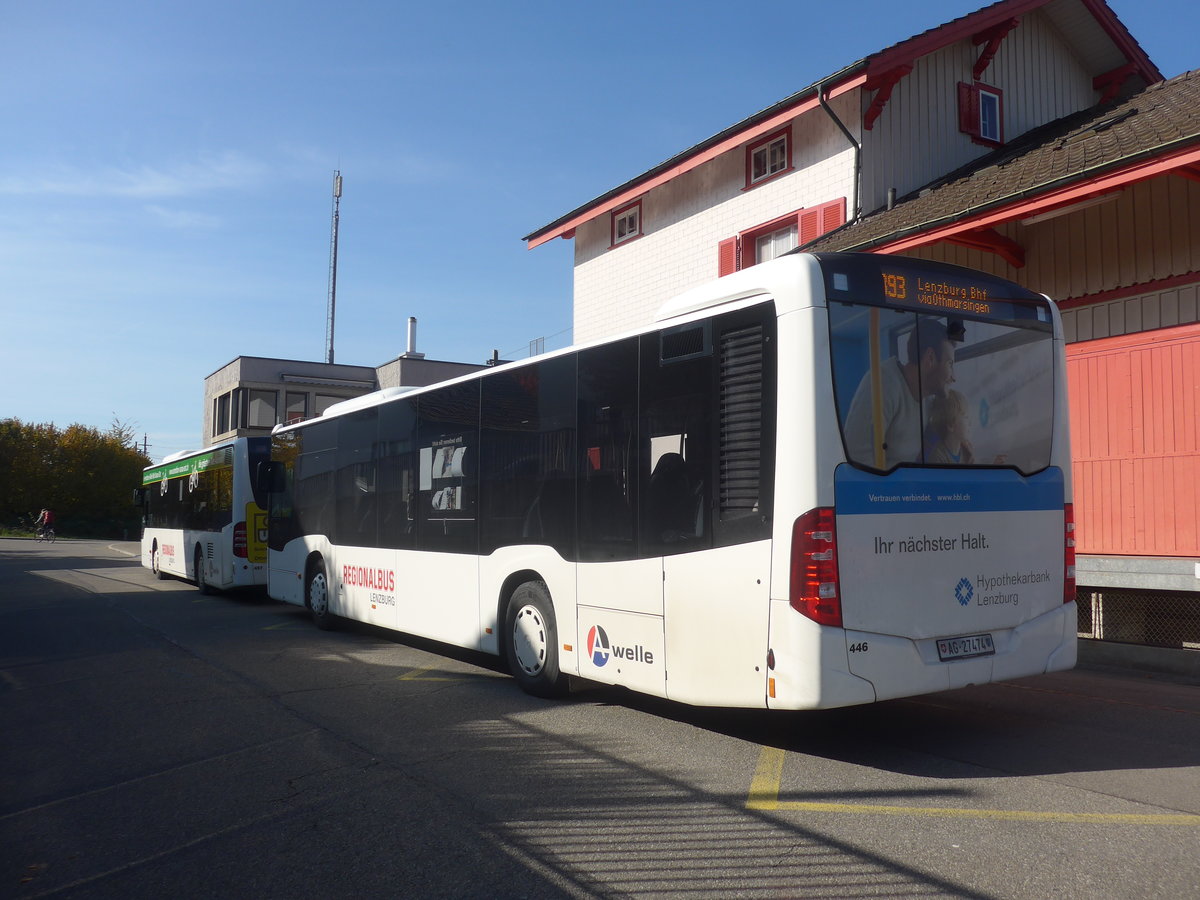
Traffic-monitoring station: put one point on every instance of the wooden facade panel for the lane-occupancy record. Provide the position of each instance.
(1099, 526)
(1150, 231)
(1163, 507)
(1135, 438)
(916, 139)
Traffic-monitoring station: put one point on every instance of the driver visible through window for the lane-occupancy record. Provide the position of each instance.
(917, 388)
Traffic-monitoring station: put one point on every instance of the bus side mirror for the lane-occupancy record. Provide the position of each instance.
(139, 497)
(270, 478)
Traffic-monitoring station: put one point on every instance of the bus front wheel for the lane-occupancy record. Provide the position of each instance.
(316, 595)
(531, 641)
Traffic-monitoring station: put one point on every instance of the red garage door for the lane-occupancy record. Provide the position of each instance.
(1135, 438)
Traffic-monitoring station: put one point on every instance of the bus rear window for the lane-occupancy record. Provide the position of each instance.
(942, 389)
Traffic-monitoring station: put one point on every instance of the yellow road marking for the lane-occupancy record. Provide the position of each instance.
(764, 789)
(764, 795)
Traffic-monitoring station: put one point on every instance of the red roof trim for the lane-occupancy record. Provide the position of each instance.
(991, 241)
(880, 64)
(882, 85)
(993, 37)
(963, 29)
(766, 126)
(1161, 165)
(1124, 40)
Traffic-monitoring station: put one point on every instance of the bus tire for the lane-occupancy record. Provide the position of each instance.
(155, 564)
(316, 595)
(201, 581)
(531, 641)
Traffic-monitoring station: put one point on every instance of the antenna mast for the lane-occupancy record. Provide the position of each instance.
(333, 250)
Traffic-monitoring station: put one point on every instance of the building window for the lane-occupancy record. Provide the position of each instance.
(981, 113)
(297, 407)
(776, 243)
(221, 423)
(261, 409)
(775, 238)
(324, 401)
(989, 115)
(627, 223)
(768, 158)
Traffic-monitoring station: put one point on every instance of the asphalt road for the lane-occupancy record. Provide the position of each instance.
(158, 743)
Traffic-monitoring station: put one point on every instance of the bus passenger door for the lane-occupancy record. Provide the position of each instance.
(619, 629)
(706, 418)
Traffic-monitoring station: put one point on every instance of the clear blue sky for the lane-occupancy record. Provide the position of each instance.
(166, 168)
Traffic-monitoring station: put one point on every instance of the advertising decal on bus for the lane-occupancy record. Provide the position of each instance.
(986, 540)
(193, 466)
(601, 650)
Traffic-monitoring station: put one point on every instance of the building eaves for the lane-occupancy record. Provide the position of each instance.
(880, 62)
(1161, 119)
(749, 122)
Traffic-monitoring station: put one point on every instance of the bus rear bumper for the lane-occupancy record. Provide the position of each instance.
(904, 667)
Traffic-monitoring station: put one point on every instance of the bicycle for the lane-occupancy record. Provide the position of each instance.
(45, 533)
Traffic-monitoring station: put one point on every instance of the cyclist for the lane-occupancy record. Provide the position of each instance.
(45, 522)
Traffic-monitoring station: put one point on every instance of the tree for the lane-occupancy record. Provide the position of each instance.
(87, 477)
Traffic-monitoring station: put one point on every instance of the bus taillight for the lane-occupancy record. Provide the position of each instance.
(1069, 552)
(814, 577)
(239, 540)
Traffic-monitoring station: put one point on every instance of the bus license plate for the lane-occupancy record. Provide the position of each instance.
(965, 647)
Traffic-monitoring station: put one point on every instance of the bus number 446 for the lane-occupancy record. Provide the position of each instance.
(860, 647)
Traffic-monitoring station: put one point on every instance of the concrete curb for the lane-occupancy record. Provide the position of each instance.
(1181, 664)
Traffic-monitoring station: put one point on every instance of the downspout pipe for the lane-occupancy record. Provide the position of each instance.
(855, 212)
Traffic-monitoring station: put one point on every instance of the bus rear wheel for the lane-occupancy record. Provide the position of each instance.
(316, 595)
(531, 641)
(201, 581)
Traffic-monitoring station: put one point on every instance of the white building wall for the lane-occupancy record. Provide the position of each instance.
(916, 138)
(620, 288)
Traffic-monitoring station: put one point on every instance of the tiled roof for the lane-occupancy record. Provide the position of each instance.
(1071, 151)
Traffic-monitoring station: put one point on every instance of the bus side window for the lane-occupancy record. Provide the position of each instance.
(313, 486)
(270, 478)
(677, 384)
(397, 474)
(354, 484)
(448, 450)
(607, 454)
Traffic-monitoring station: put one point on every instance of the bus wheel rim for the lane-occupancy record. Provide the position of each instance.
(318, 595)
(529, 640)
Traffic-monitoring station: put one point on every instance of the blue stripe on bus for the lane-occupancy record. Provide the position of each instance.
(908, 491)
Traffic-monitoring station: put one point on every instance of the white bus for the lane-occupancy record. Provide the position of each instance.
(201, 518)
(703, 510)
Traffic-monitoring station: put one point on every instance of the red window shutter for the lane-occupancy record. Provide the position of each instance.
(727, 256)
(833, 215)
(810, 225)
(968, 109)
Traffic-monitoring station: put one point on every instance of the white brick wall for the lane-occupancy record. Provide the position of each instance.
(623, 287)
